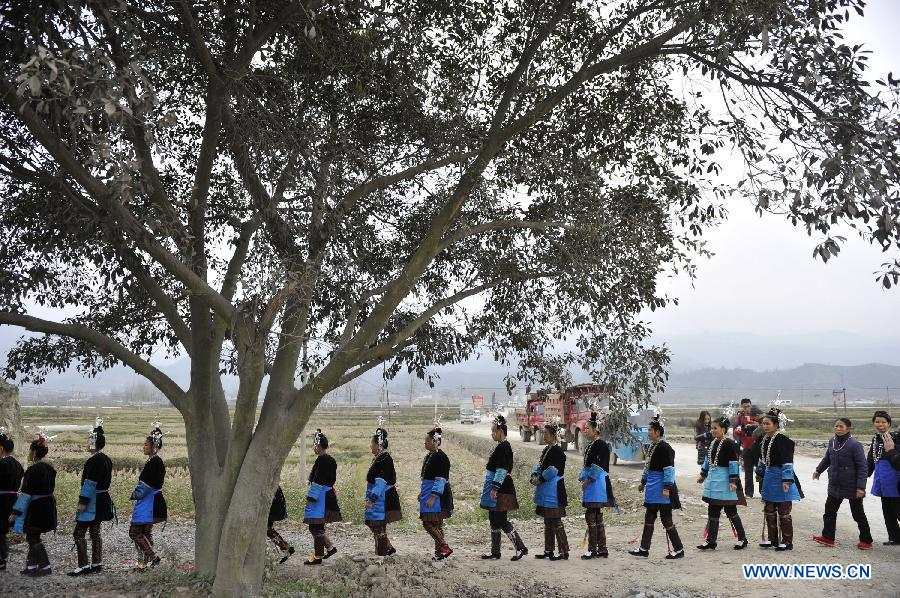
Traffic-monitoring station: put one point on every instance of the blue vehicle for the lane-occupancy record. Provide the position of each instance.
(635, 449)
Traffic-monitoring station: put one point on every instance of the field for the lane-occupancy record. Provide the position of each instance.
(348, 434)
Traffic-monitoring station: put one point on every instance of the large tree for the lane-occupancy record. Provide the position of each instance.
(305, 191)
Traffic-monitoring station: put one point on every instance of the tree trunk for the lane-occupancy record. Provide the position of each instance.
(241, 553)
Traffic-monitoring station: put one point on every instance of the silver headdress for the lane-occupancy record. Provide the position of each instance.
(96, 432)
(156, 435)
(319, 438)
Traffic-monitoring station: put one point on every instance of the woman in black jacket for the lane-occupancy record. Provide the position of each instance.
(435, 495)
(550, 495)
(11, 473)
(382, 500)
(321, 500)
(94, 504)
(498, 495)
(36, 507)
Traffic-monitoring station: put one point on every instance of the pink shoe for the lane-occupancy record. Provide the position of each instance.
(824, 541)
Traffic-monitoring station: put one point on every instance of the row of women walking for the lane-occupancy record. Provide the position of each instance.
(28, 504)
(31, 509)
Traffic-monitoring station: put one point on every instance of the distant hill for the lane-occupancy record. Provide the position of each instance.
(810, 382)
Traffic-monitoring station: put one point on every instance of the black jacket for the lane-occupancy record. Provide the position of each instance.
(98, 468)
(40, 482)
(383, 467)
(502, 458)
(11, 474)
(154, 475)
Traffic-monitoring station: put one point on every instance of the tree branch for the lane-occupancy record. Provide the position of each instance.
(103, 344)
(120, 215)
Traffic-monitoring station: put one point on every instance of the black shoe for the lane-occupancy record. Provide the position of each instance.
(29, 571)
(315, 561)
(519, 554)
(639, 552)
(601, 554)
(330, 552)
(80, 571)
(156, 560)
(544, 555)
(741, 545)
(676, 555)
(97, 568)
(588, 556)
(563, 556)
(707, 546)
(494, 556)
(765, 545)
(42, 571)
(891, 543)
(783, 547)
(289, 553)
(391, 552)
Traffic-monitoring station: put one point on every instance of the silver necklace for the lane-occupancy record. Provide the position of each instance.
(714, 452)
(768, 448)
(833, 449)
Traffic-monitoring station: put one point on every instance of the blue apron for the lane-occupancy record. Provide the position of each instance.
(595, 490)
(21, 507)
(654, 484)
(316, 508)
(774, 476)
(375, 494)
(89, 491)
(144, 495)
(492, 480)
(546, 493)
(429, 487)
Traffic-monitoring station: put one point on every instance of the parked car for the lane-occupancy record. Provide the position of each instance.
(467, 416)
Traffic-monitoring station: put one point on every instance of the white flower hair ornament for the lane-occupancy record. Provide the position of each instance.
(730, 410)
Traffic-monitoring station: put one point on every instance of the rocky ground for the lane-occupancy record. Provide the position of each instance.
(353, 572)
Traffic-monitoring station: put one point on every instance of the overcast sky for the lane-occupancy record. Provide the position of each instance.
(763, 279)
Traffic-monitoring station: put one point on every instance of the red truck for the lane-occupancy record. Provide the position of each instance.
(571, 408)
(531, 418)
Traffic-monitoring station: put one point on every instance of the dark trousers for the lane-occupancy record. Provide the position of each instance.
(555, 532)
(277, 539)
(92, 528)
(435, 529)
(778, 516)
(890, 506)
(4, 546)
(714, 513)
(142, 535)
(379, 533)
(596, 531)
(320, 539)
(665, 515)
(749, 469)
(37, 553)
(832, 504)
(499, 521)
